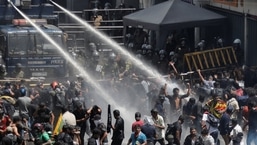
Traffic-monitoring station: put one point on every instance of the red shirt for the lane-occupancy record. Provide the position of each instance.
(140, 123)
(4, 122)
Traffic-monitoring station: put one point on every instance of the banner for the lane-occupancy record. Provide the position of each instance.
(59, 125)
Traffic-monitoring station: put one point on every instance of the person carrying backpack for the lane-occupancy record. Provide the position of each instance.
(210, 123)
(174, 131)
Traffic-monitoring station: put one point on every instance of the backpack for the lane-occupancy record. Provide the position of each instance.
(199, 141)
(13, 138)
(212, 120)
(59, 140)
(171, 129)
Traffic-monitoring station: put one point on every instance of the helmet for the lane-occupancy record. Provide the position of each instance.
(148, 47)
(38, 126)
(130, 45)
(107, 5)
(54, 84)
(144, 46)
(23, 91)
(18, 65)
(112, 55)
(95, 53)
(237, 41)
(162, 54)
(2, 68)
(92, 46)
(139, 56)
(219, 42)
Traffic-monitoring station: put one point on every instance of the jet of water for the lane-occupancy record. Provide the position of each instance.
(84, 74)
(151, 72)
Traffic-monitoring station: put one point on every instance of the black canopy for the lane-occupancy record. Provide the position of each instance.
(171, 15)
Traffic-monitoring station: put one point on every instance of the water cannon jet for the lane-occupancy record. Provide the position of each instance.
(9, 1)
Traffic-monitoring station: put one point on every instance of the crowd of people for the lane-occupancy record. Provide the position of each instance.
(215, 106)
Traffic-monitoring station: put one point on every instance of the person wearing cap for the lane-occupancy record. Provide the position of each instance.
(138, 121)
(118, 129)
(159, 126)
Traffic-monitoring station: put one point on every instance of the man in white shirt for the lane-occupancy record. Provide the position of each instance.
(208, 124)
(159, 126)
(207, 139)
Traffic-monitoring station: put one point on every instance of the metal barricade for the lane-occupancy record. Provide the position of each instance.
(210, 59)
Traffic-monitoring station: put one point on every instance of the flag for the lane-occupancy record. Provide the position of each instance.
(109, 119)
(59, 125)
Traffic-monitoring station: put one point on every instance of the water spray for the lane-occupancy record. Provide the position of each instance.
(84, 74)
(105, 38)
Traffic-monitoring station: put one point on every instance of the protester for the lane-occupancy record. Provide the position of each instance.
(159, 126)
(137, 137)
(118, 129)
(138, 121)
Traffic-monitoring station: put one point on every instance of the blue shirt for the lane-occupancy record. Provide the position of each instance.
(141, 138)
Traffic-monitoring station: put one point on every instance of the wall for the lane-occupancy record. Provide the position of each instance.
(242, 6)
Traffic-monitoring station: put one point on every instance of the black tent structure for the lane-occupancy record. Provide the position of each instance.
(171, 15)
